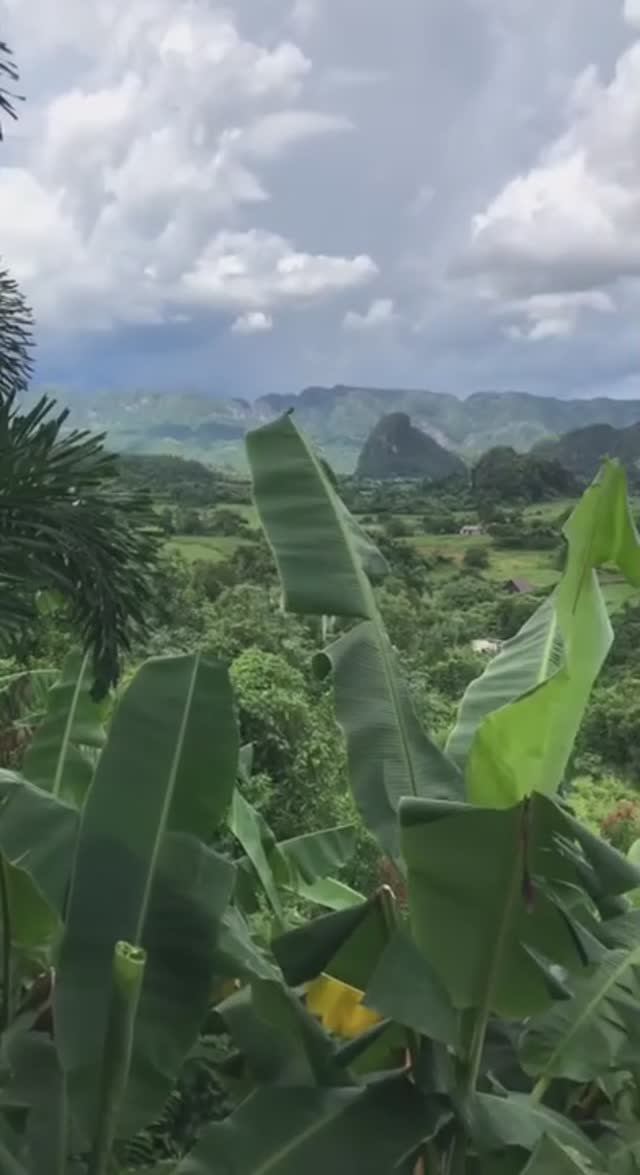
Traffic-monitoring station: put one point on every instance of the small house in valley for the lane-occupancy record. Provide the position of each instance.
(472, 531)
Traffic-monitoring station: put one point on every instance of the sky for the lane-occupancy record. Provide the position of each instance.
(251, 197)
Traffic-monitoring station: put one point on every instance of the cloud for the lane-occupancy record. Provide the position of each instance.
(632, 12)
(565, 234)
(251, 323)
(258, 269)
(270, 136)
(380, 313)
(135, 197)
(182, 167)
(555, 316)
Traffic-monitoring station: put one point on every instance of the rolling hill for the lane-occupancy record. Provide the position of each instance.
(339, 419)
(582, 450)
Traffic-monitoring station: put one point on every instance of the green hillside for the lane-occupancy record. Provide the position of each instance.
(338, 419)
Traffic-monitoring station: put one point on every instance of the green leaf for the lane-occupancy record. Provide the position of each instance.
(252, 832)
(622, 1150)
(37, 1082)
(518, 723)
(140, 875)
(498, 1122)
(322, 554)
(286, 1131)
(403, 988)
(390, 756)
(56, 759)
(37, 841)
(551, 1158)
(332, 894)
(467, 869)
(594, 1032)
(313, 856)
(346, 945)
(325, 561)
(237, 955)
(531, 656)
(282, 1043)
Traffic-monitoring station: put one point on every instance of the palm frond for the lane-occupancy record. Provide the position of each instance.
(8, 72)
(66, 523)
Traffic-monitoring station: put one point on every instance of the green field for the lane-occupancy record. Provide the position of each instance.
(196, 548)
(534, 566)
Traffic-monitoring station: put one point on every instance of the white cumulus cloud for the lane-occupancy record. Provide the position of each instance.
(140, 189)
(380, 313)
(558, 238)
(251, 323)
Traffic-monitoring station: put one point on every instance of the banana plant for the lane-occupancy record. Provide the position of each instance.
(110, 854)
(513, 973)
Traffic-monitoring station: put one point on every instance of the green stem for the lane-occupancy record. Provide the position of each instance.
(5, 910)
(127, 976)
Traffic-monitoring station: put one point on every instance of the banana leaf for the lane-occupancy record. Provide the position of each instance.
(289, 1130)
(143, 875)
(37, 841)
(518, 722)
(480, 909)
(326, 565)
(57, 759)
(598, 1030)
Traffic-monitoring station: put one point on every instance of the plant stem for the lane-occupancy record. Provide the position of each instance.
(127, 976)
(7, 1011)
(540, 1088)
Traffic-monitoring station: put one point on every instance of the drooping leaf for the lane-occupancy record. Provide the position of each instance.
(282, 1043)
(390, 756)
(314, 855)
(594, 1032)
(37, 841)
(346, 945)
(332, 894)
(56, 759)
(551, 1158)
(476, 900)
(238, 956)
(325, 564)
(163, 780)
(286, 1131)
(404, 988)
(518, 723)
(251, 831)
(514, 1121)
(322, 555)
(37, 1082)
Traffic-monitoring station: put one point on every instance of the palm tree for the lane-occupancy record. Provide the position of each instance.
(65, 522)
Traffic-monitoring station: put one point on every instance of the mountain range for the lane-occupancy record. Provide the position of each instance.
(581, 451)
(338, 419)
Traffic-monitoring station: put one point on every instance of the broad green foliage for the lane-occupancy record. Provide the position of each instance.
(61, 755)
(325, 564)
(477, 1015)
(174, 747)
(543, 678)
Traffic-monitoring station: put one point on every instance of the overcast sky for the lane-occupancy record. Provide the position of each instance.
(260, 195)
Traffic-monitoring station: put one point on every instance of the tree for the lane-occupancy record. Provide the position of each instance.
(476, 558)
(64, 523)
